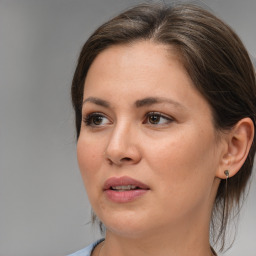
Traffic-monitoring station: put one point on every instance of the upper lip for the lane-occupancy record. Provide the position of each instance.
(123, 181)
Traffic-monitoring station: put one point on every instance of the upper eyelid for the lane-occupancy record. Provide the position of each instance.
(147, 113)
(94, 113)
(91, 114)
(160, 114)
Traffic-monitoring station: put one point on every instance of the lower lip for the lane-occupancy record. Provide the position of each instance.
(124, 196)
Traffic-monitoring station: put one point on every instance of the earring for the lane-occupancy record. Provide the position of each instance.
(226, 172)
(225, 211)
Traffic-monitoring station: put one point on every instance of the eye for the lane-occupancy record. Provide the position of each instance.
(96, 119)
(156, 118)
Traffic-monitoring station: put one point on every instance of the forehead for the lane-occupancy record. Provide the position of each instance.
(139, 62)
(141, 50)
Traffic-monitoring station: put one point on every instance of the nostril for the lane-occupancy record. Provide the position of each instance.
(126, 159)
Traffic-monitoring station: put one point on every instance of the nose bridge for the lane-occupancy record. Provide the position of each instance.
(119, 138)
(122, 146)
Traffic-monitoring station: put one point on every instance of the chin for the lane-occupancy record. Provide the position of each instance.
(127, 224)
(131, 224)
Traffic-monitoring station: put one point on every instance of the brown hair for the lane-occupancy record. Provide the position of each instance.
(214, 58)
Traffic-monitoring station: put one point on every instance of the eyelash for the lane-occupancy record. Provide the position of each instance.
(159, 116)
(89, 119)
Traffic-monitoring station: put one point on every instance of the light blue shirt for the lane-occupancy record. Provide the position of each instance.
(87, 250)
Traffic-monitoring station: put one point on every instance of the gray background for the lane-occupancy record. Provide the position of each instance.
(43, 206)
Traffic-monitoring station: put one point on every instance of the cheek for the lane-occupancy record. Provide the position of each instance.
(89, 157)
(183, 169)
(183, 160)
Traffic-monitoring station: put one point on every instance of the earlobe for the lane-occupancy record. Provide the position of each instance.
(239, 140)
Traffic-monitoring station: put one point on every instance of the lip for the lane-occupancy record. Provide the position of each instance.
(124, 196)
(123, 181)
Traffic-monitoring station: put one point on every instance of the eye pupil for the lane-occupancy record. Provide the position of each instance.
(154, 119)
(97, 120)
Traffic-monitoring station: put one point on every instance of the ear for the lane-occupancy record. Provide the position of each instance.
(238, 142)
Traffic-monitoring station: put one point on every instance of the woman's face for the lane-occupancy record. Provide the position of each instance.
(147, 149)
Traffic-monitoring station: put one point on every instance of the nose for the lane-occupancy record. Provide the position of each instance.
(123, 146)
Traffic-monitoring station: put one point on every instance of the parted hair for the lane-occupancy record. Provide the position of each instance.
(216, 61)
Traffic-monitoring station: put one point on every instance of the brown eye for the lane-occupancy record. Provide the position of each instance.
(155, 118)
(96, 119)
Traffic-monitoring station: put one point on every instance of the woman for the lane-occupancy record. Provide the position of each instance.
(164, 98)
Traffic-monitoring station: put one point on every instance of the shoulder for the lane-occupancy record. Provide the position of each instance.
(87, 250)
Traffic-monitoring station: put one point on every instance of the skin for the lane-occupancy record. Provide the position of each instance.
(179, 156)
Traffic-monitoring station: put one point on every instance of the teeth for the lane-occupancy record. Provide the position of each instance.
(128, 187)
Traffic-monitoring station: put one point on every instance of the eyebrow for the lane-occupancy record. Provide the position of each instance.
(154, 100)
(138, 103)
(97, 101)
